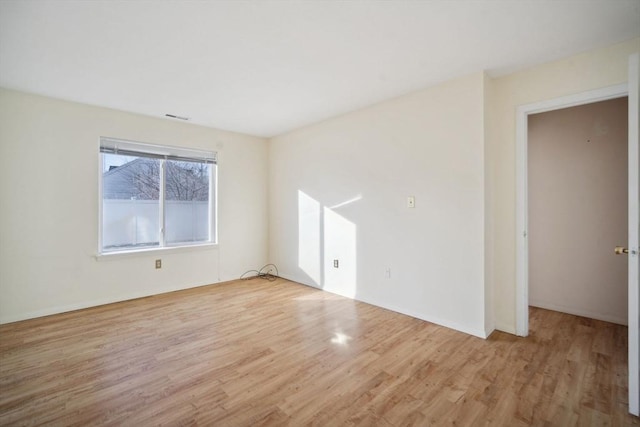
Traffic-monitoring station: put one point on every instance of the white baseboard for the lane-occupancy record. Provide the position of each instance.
(503, 327)
(441, 322)
(438, 321)
(579, 312)
(92, 303)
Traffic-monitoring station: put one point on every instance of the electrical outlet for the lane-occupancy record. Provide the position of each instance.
(387, 273)
(336, 263)
(411, 201)
(158, 263)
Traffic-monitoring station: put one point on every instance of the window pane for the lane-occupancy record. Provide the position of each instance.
(187, 202)
(130, 202)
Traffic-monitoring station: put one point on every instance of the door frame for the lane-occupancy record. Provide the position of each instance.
(634, 234)
(522, 245)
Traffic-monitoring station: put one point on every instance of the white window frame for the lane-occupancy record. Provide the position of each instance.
(164, 153)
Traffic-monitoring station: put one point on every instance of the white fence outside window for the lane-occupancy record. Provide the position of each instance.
(136, 222)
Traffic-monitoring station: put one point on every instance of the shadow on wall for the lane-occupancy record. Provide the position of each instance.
(324, 237)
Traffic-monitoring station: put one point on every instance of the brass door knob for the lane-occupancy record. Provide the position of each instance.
(619, 250)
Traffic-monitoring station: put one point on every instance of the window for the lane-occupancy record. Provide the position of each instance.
(155, 196)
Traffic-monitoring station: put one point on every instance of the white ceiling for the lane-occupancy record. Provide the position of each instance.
(267, 67)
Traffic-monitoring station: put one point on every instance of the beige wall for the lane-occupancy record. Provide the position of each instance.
(49, 208)
(577, 200)
(592, 70)
(489, 225)
(338, 189)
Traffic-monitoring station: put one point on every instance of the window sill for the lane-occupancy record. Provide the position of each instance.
(108, 256)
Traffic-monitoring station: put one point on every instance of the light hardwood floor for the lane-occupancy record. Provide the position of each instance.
(254, 352)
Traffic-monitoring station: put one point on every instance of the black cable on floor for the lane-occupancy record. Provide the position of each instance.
(265, 272)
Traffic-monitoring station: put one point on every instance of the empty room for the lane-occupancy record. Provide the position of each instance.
(332, 213)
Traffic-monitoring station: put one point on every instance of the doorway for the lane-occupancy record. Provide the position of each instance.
(632, 90)
(577, 164)
(522, 247)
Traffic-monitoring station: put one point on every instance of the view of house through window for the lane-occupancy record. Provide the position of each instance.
(155, 196)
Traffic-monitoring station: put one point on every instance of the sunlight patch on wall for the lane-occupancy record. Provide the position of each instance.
(327, 245)
(309, 223)
(339, 244)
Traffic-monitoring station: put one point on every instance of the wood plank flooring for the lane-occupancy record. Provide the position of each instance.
(249, 353)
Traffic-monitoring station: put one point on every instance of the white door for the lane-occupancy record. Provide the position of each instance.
(634, 235)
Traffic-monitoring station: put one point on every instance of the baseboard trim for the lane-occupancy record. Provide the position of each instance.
(435, 320)
(94, 303)
(509, 329)
(578, 312)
